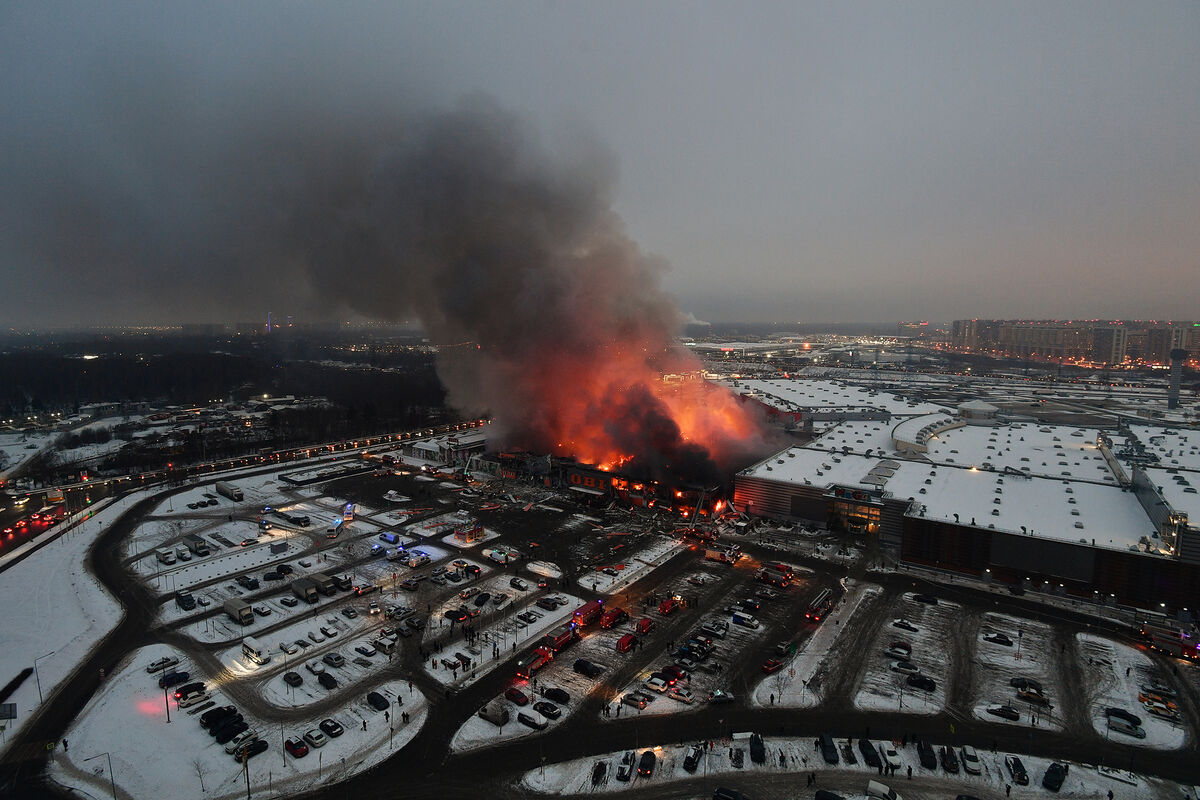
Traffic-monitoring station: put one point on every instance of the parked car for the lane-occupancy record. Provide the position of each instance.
(292, 678)
(634, 699)
(365, 650)
(331, 728)
(289, 601)
(328, 632)
(926, 598)
(904, 625)
(515, 695)
(315, 667)
(772, 665)
(1004, 711)
(1016, 770)
(998, 638)
(682, 694)
(949, 760)
(1056, 773)
(214, 716)
(1019, 683)
(350, 612)
(243, 738)
(899, 650)
(927, 755)
(334, 659)
(869, 753)
(656, 684)
(250, 750)
(315, 738)
(970, 760)
(922, 682)
(547, 710)
(829, 750)
(377, 701)
(327, 680)
(533, 720)
(905, 667)
(231, 727)
(518, 584)
(173, 679)
(163, 663)
(296, 747)
(625, 768)
(889, 754)
(557, 695)
(646, 763)
(692, 760)
(586, 668)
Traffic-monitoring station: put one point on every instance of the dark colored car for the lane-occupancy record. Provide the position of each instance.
(1004, 712)
(692, 760)
(546, 603)
(189, 688)
(586, 668)
(214, 716)
(927, 755)
(926, 598)
(515, 695)
(1025, 683)
(547, 710)
(284, 569)
(250, 751)
(296, 747)
(1017, 770)
(172, 679)
(829, 750)
(327, 680)
(334, 659)
(557, 695)
(227, 732)
(1122, 714)
(922, 682)
(646, 763)
(292, 678)
(758, 750)
(738, 758)
(377, 701)
(456, 614)
(949, 760)
(290, 602)
(869, 753)
(1056, 773)
(331, 728)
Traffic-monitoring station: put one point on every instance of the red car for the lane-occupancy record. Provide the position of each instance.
(678, 673)
(517, 696)
(296, 747)
(772, 665)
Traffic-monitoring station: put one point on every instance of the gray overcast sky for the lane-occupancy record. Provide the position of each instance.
(790, 161)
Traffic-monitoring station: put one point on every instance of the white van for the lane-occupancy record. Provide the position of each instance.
(880, 791)
(1124, 726)
(183, 554)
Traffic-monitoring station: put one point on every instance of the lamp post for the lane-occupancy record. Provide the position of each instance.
(38, 677)
(111, 780)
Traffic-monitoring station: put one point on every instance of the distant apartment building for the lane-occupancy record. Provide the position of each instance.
(1099, 342)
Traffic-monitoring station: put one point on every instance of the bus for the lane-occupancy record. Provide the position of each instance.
(255, 651)
(820, 607)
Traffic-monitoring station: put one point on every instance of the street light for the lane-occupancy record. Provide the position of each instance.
(112, 782)
(37, 676)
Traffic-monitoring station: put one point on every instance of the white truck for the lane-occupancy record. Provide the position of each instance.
(229, 490)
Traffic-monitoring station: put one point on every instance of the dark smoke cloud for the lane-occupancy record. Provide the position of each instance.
(237, 198)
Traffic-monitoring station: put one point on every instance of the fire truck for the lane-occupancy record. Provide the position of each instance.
(560, 637)
(589, 612)
(1171, 641)
(614, 616)
(540, 657)
(726, 555)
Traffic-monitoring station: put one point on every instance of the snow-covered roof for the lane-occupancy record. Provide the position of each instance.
(798, 394)
(1180, 489)
(1066, 510)
(1057, 451)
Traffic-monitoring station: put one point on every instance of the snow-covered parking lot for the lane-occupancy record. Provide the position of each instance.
(885, 684)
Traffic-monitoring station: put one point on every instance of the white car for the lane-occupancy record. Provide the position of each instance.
(890, 756)
(533, 719)
(373, 608)
(329, 631)
(315, 667)
(289, 648)
(193, 700)
(315, 738)
(905, 667)
(657, 684)
(970, 760)
(162, 663)
(315, 637)
(682, 695)
(245, 737)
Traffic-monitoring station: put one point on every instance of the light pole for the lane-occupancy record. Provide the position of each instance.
(111, 780)
(38, 677)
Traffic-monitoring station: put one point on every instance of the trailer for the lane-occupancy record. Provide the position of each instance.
(239, 611)
(325, 584)
(197, 544)
(305, 588)
(229, 490)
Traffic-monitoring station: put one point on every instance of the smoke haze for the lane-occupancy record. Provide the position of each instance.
(231, 194)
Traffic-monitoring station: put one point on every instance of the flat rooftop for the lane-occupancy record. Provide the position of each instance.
(1052, 508)
(803, 394)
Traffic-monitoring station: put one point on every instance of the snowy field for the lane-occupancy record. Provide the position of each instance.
(796, 756)
(55, 608)
(790, 686)
(16, 447)
(885, 689)
(1114, 674)
(128, 720)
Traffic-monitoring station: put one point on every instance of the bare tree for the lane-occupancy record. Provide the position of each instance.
(199, 765)
(779, 682)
